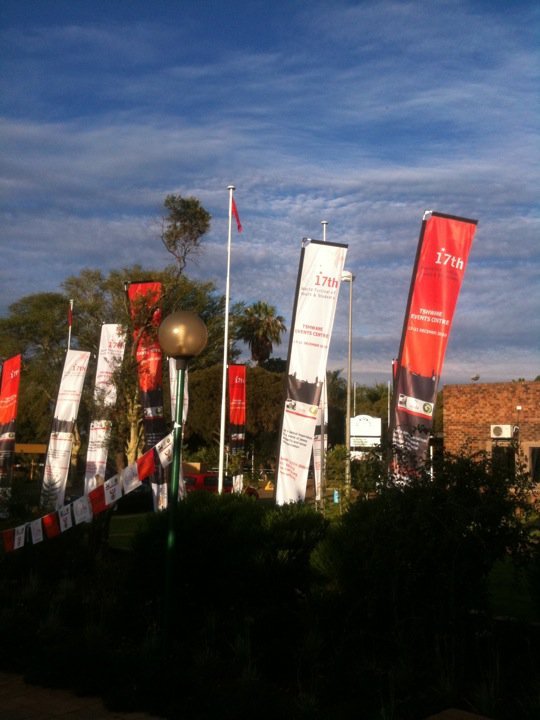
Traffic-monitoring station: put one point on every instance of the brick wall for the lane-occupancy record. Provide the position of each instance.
(470, 410)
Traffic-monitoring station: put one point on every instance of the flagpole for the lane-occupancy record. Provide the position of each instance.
(231, 189)
(324, 224)
(70, 320)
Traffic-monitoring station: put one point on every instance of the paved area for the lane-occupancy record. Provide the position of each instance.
(20, 701)
(456, 715)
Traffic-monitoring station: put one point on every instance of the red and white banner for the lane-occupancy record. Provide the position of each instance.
(237, 408)
(111, 352)
(319, 280)
(441, 260)
(9, 398)
(61, 440)
(144, 298)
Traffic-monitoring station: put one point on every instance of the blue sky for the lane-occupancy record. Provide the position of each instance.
(363, 114)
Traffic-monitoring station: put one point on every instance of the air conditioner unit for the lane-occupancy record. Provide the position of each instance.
(502, 432)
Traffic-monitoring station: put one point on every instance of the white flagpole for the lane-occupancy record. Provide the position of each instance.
(231, 189)
(70, 322)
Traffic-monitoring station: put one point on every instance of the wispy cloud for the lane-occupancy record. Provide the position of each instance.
(363, 114)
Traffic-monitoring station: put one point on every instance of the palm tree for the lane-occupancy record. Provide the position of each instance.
(261, 329)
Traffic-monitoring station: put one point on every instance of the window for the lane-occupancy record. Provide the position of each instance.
(504, 462)
(534, 464)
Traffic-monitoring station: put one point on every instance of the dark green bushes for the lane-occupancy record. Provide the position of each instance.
(276, 613)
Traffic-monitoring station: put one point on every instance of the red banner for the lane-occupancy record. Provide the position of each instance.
(237, 407)
(144, 298)
(441, 259)
(146, 315)
(9, 398)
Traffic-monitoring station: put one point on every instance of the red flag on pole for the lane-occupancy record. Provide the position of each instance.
(236, 216)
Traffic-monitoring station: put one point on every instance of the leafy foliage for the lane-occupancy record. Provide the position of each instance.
(183, 227)
(261, 329)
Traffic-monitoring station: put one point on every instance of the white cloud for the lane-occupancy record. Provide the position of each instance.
(364, 115)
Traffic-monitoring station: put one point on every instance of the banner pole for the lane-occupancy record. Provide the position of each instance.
(70, 320)
(324, 224)
(322, 463)
(231, 189)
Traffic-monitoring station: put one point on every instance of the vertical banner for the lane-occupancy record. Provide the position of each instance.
(61, 440)
(319, 280)
(111, 352)
(173, 379)
(441, 259)
(144, 298)
(173, 382)
(237, 416)
(320, 444)
(237, 408)
(9, 398)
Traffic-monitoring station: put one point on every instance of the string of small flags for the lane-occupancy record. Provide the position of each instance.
(83, 509)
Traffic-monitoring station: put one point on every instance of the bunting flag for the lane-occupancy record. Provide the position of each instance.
(441, 261)
(319, 280)
(9, 397)
(51, 525)
(61, 440)
(98, 500)
(144, 298)
(111, 352)
(236, 216)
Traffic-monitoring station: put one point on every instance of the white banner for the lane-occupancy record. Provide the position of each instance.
(96, 455)
(112, 344)
(321, 267)
(61, 440)
(173, 375)
(320, 443)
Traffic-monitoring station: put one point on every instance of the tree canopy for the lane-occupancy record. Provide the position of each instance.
(261, 328)
(183, 227)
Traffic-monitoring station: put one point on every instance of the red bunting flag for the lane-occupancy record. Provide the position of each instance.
(146, 465)
(51, 525)
(97, 499)
(236, 216)
(8, 537)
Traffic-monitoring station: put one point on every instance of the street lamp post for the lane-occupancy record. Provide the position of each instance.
(182, 336)
(347, 276)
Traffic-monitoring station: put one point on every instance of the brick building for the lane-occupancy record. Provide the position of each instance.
(490, 417)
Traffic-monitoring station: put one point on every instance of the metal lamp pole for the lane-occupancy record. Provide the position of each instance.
(182, 336)
(347, 276)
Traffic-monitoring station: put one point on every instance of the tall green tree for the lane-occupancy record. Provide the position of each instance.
(182, 227)
(36, 326)
(99, 298)
(261, 328)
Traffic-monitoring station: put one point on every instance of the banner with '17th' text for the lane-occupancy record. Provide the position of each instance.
(319, 280)
(441, 260)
